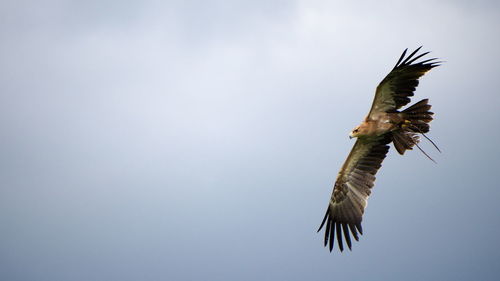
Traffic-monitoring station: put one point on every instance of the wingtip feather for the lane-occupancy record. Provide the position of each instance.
(347, 236)
(401, 57)
(360, 228)
(324, 219)
(332, 236)
(339, 236)
(327, 232)
(410, 56)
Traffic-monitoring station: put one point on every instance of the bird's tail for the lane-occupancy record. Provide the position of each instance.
(416, 121)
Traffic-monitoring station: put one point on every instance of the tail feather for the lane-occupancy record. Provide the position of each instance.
(416, 121)
(404, 140)
(419, 116)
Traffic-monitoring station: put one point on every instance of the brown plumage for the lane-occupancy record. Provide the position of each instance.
(383, 124)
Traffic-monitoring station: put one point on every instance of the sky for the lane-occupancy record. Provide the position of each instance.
(199, 140)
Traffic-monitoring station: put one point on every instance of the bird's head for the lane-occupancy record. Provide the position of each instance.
(356, 132)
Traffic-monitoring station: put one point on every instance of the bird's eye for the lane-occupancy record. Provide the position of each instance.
(355, 130)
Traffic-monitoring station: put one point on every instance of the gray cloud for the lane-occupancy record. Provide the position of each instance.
(193, 140)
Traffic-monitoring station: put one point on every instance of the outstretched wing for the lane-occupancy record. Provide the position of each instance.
(351, 190)
(396, 88)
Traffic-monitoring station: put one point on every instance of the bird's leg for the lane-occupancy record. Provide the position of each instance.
(405, 124)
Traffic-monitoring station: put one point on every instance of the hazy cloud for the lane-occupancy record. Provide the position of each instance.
(194, 140)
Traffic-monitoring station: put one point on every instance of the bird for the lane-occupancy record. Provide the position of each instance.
(383, 124)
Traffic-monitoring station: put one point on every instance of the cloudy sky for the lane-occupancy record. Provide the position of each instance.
(199, 140)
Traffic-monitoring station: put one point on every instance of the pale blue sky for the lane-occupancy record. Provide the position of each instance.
(199, 140)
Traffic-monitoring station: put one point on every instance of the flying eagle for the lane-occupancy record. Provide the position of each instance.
(383, 124)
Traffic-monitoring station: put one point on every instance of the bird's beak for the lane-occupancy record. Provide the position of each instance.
(350, 137)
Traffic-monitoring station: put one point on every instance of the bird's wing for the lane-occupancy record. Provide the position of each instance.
(396, 88)
(351, 190)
